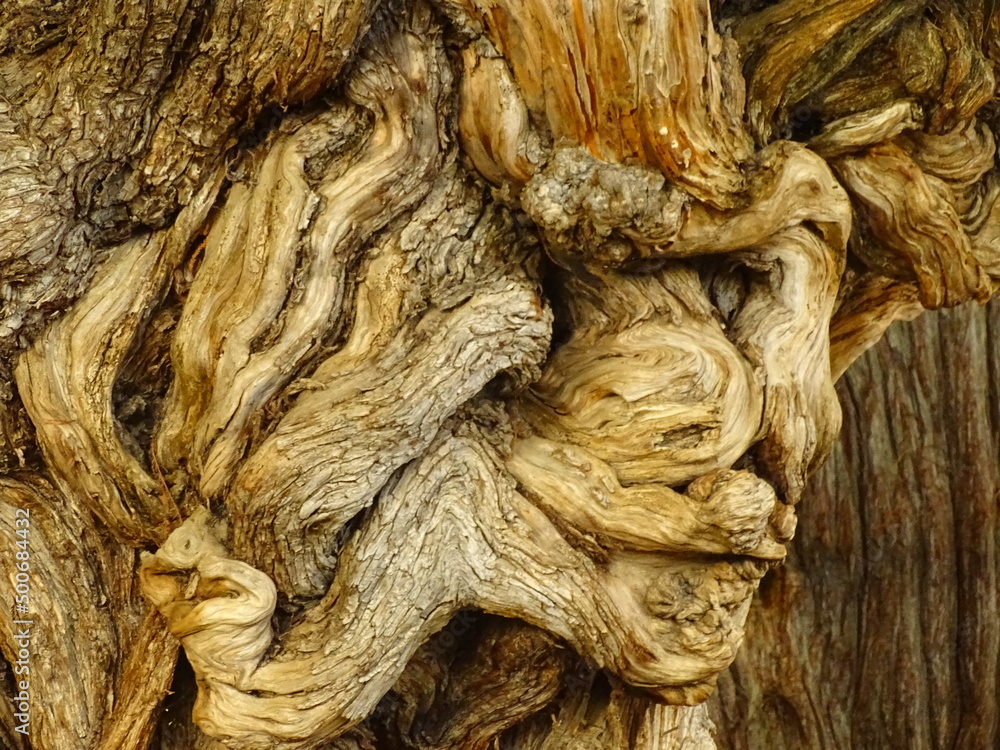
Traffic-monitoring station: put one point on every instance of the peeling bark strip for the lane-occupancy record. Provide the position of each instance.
(445, 374)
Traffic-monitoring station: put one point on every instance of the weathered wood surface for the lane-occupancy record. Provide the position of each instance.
(328, 327)
(880, 631)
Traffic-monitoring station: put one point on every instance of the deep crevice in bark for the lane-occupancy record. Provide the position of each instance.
(364, 316)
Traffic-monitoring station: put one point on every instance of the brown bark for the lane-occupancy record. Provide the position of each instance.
(331, 331)
(880, 631)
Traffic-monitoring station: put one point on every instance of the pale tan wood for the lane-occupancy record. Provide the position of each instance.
(339, 329)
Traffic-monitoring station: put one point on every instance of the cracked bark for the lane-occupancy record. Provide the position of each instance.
(448, 374)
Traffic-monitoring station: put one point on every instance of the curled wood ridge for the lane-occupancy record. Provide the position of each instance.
(340, 322)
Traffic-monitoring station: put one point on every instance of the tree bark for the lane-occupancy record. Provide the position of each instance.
(880, 631)
(448, 373)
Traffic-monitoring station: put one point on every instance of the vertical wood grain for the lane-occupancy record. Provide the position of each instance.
(883, 629)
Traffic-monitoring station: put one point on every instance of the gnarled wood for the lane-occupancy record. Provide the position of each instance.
(370, 325)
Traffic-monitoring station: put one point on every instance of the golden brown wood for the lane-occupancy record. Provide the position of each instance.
(449, 373)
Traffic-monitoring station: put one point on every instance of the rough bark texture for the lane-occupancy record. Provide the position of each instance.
(880, 631)
(446, 374)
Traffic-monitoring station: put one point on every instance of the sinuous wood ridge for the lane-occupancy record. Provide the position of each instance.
(332, 330)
